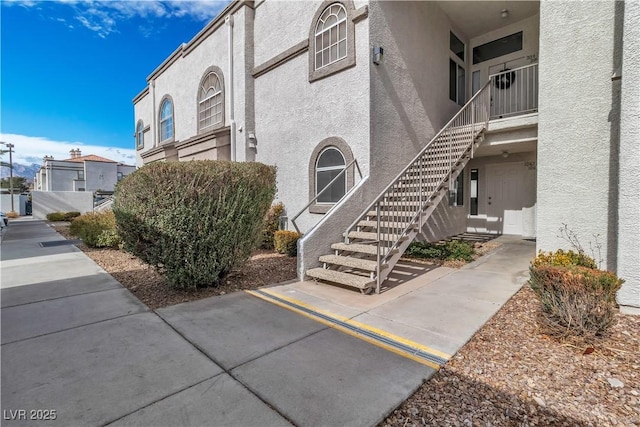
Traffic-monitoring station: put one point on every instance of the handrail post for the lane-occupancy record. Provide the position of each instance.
(378, 269)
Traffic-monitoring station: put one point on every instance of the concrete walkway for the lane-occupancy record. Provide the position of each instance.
(76, 342)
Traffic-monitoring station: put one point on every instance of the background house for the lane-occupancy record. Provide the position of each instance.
(80, 173)
(354, 90)
(72, 184)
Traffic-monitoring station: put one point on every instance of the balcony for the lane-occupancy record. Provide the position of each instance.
(514, 92)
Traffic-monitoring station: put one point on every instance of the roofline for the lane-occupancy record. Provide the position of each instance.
(141, 95)
(185, 48)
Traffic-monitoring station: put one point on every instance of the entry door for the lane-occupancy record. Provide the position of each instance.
(505, 187)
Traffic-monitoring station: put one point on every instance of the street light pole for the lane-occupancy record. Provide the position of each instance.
(10, 147)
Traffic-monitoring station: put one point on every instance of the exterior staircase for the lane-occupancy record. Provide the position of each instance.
(376, 240)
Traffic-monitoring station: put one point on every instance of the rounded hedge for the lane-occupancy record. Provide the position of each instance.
(196, 220)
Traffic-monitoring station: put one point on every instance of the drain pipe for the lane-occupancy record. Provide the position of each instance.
(153, 112)
(229, 21)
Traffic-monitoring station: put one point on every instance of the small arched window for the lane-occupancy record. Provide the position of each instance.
(166, 120)
(210, 101)
(140, 135)
(331, 36)
(330, 164)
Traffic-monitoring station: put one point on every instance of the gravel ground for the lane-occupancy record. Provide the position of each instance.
(509, 374)
(512, 374)
(263, 268)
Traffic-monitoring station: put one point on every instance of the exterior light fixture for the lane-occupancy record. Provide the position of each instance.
(504, 13)
(377, 54)
(505, 154)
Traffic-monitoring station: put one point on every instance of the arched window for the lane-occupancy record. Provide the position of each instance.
(140, 135)
(166, 120)
(329, 165)
(211, 101)
(331, 36)
(332, 45)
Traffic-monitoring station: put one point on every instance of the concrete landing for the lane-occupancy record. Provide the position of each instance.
(434, 307)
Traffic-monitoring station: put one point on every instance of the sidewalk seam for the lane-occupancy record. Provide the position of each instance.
(228, 371)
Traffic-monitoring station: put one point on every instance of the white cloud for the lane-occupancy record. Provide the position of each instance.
(102, 16)
(31, 149)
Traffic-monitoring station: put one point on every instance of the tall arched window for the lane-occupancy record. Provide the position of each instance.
(166, 120)
(329, 165)
(140, 135)
(332, 46)
(211, 101)
(331, 36)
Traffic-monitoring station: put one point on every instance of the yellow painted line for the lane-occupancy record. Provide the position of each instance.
(355, 324)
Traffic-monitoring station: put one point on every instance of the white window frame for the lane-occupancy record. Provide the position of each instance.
(331, 168)
(140, 134)
(164, 137)
(216, 100)
(320, 49)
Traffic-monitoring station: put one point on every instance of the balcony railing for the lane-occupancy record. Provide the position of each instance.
(514, 92)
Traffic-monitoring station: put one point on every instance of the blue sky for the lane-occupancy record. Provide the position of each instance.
(69, 70)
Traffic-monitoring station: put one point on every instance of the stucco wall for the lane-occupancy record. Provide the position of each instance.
(181, 81)
(629, 188)
(293, 115)
(100, 176)
(143, 110)
(409, 104)
(45, 202)
(61, 175)
(577, 176)
(19, 203)
(530, 28)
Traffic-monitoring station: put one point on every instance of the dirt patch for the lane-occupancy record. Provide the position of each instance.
(263, 268)
(511, 374)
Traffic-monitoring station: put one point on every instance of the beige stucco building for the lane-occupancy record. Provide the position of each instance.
(395, 120)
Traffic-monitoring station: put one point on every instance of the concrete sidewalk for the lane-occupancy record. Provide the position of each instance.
(78, 347)
(433, 310)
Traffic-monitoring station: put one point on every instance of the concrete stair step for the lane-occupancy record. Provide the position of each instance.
(352, 262)
(383, 224)
(365, 235)
(353, 280)
(359, 248)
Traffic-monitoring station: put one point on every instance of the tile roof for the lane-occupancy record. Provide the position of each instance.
(91, 158)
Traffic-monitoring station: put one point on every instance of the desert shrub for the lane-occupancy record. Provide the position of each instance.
(68, 216)
(576, 300)
(96, 229)
(194, 221)
(451, 250)
(286, 242)
(562, 258)
(55, 216)
(270, 225)
(12, 214)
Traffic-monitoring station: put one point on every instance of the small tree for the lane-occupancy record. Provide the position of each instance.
(20, 184)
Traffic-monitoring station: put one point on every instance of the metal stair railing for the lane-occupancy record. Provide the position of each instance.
(420, 185)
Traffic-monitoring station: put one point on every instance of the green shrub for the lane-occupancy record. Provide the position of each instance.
(452, 250)
(286, 242)
(576, 300)
(55, 216)
(68, 216)
(194, 221)
(562, 258)
(96, 229)
(270, 225)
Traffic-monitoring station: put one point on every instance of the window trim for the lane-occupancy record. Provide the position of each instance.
(140, 135)
(331, 168)
(343, 63)
(341, 145)
(172, 138)
(218, 72)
